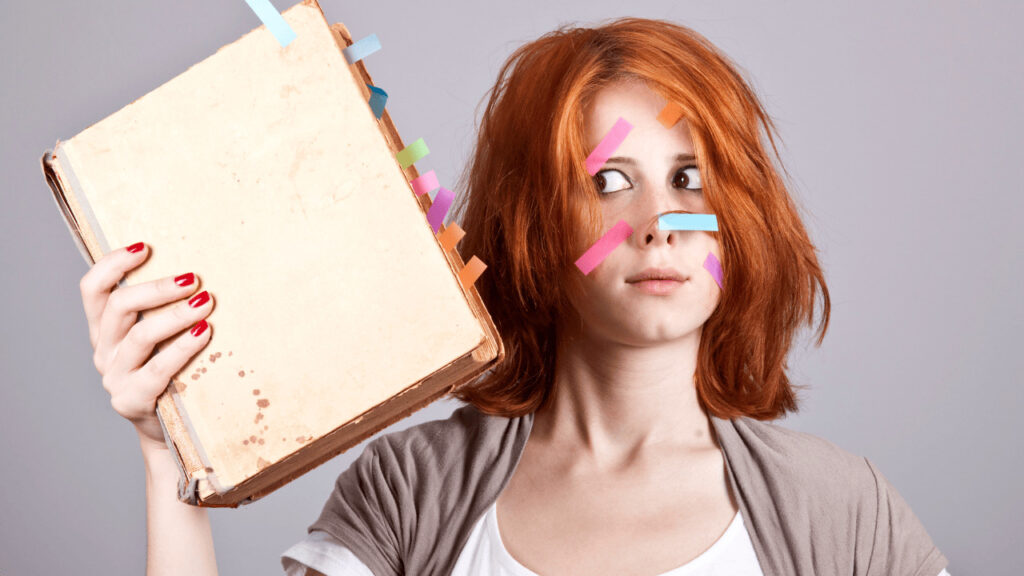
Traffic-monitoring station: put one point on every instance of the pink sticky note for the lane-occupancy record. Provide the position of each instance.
(603, 247)
(712, 265)
(425, 184)
(607, 146)
(439, 208)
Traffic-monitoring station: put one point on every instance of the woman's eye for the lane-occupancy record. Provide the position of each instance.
(610, 181)
(688, 178)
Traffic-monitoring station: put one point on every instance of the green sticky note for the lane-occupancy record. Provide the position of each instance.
(413, 152)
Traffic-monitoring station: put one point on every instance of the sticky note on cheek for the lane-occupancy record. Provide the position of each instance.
(603, 247)
(714, 267)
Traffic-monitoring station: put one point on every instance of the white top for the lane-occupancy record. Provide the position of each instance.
(484, 553)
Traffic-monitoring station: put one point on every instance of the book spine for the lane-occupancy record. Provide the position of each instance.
(85, 230)
(58, 193)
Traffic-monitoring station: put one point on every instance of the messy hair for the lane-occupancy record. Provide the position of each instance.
(526, 185)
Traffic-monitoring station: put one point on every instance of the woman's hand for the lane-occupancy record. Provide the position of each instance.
(123, 344)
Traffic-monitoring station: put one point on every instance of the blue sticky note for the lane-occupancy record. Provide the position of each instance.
(362, 49)
(273, 20)
(378, 98)
(706, 222)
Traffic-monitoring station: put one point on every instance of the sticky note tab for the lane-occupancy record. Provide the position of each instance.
(712, 265)
(273, 20)
(378, 98)
(603, 247)
(361, 49)
(425, 184)
(471, 271)
(670, 114)
(451, 236)
(676, 221)
(607, 146)
(412, 153)
(439, 209)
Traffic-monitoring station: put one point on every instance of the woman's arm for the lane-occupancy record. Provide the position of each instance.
(179, 540)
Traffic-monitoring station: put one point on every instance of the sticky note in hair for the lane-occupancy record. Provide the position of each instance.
(676, 221)
(273, 20)
(412, 153)
(439, 208)
(361, 49)
(712, 265)
(670, 114)
(451, 236)
(607, 146)
(425, 183)
(604, 246)
(471, 271)
(378, 98)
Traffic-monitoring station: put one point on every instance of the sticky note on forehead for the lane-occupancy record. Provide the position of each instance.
(608, 145)
(603, 247)
(670, 114)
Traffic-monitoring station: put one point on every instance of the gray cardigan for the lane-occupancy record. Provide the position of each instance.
(407, 504)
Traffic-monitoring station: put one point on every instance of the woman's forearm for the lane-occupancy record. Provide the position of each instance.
(179, 539)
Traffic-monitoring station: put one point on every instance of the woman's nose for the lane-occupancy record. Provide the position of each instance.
(644, 217)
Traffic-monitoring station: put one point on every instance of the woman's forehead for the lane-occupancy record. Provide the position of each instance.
(635, 102)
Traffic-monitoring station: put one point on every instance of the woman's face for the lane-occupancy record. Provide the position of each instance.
(653, 171)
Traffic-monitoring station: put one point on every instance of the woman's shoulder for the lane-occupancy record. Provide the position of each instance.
(469, 448)
(418, 490)
(802, 464)
(817, 487)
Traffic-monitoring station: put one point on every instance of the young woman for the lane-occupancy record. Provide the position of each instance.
(628, 430)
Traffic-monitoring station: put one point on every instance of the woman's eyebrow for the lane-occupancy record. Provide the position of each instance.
(630, 162)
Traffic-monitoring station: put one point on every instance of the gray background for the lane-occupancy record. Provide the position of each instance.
(902, 125)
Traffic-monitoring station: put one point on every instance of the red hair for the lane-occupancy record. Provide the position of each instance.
(526, 187)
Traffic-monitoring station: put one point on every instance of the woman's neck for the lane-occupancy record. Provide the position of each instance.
(612, 404)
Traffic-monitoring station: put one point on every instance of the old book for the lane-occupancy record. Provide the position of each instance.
(337, 310)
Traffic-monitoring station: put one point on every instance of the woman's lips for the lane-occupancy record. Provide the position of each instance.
(658, 287)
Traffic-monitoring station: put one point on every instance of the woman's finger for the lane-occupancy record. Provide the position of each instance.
(101, 279)
(140, 338)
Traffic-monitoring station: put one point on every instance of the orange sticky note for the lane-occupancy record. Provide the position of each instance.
(451, 236)
(670, 114)
(471, 271)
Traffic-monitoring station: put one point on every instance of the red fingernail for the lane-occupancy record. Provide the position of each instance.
(185, 279)
(199, 328)
(199, 299)
(136, 247)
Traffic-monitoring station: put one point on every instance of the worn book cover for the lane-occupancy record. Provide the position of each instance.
(337, 310)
